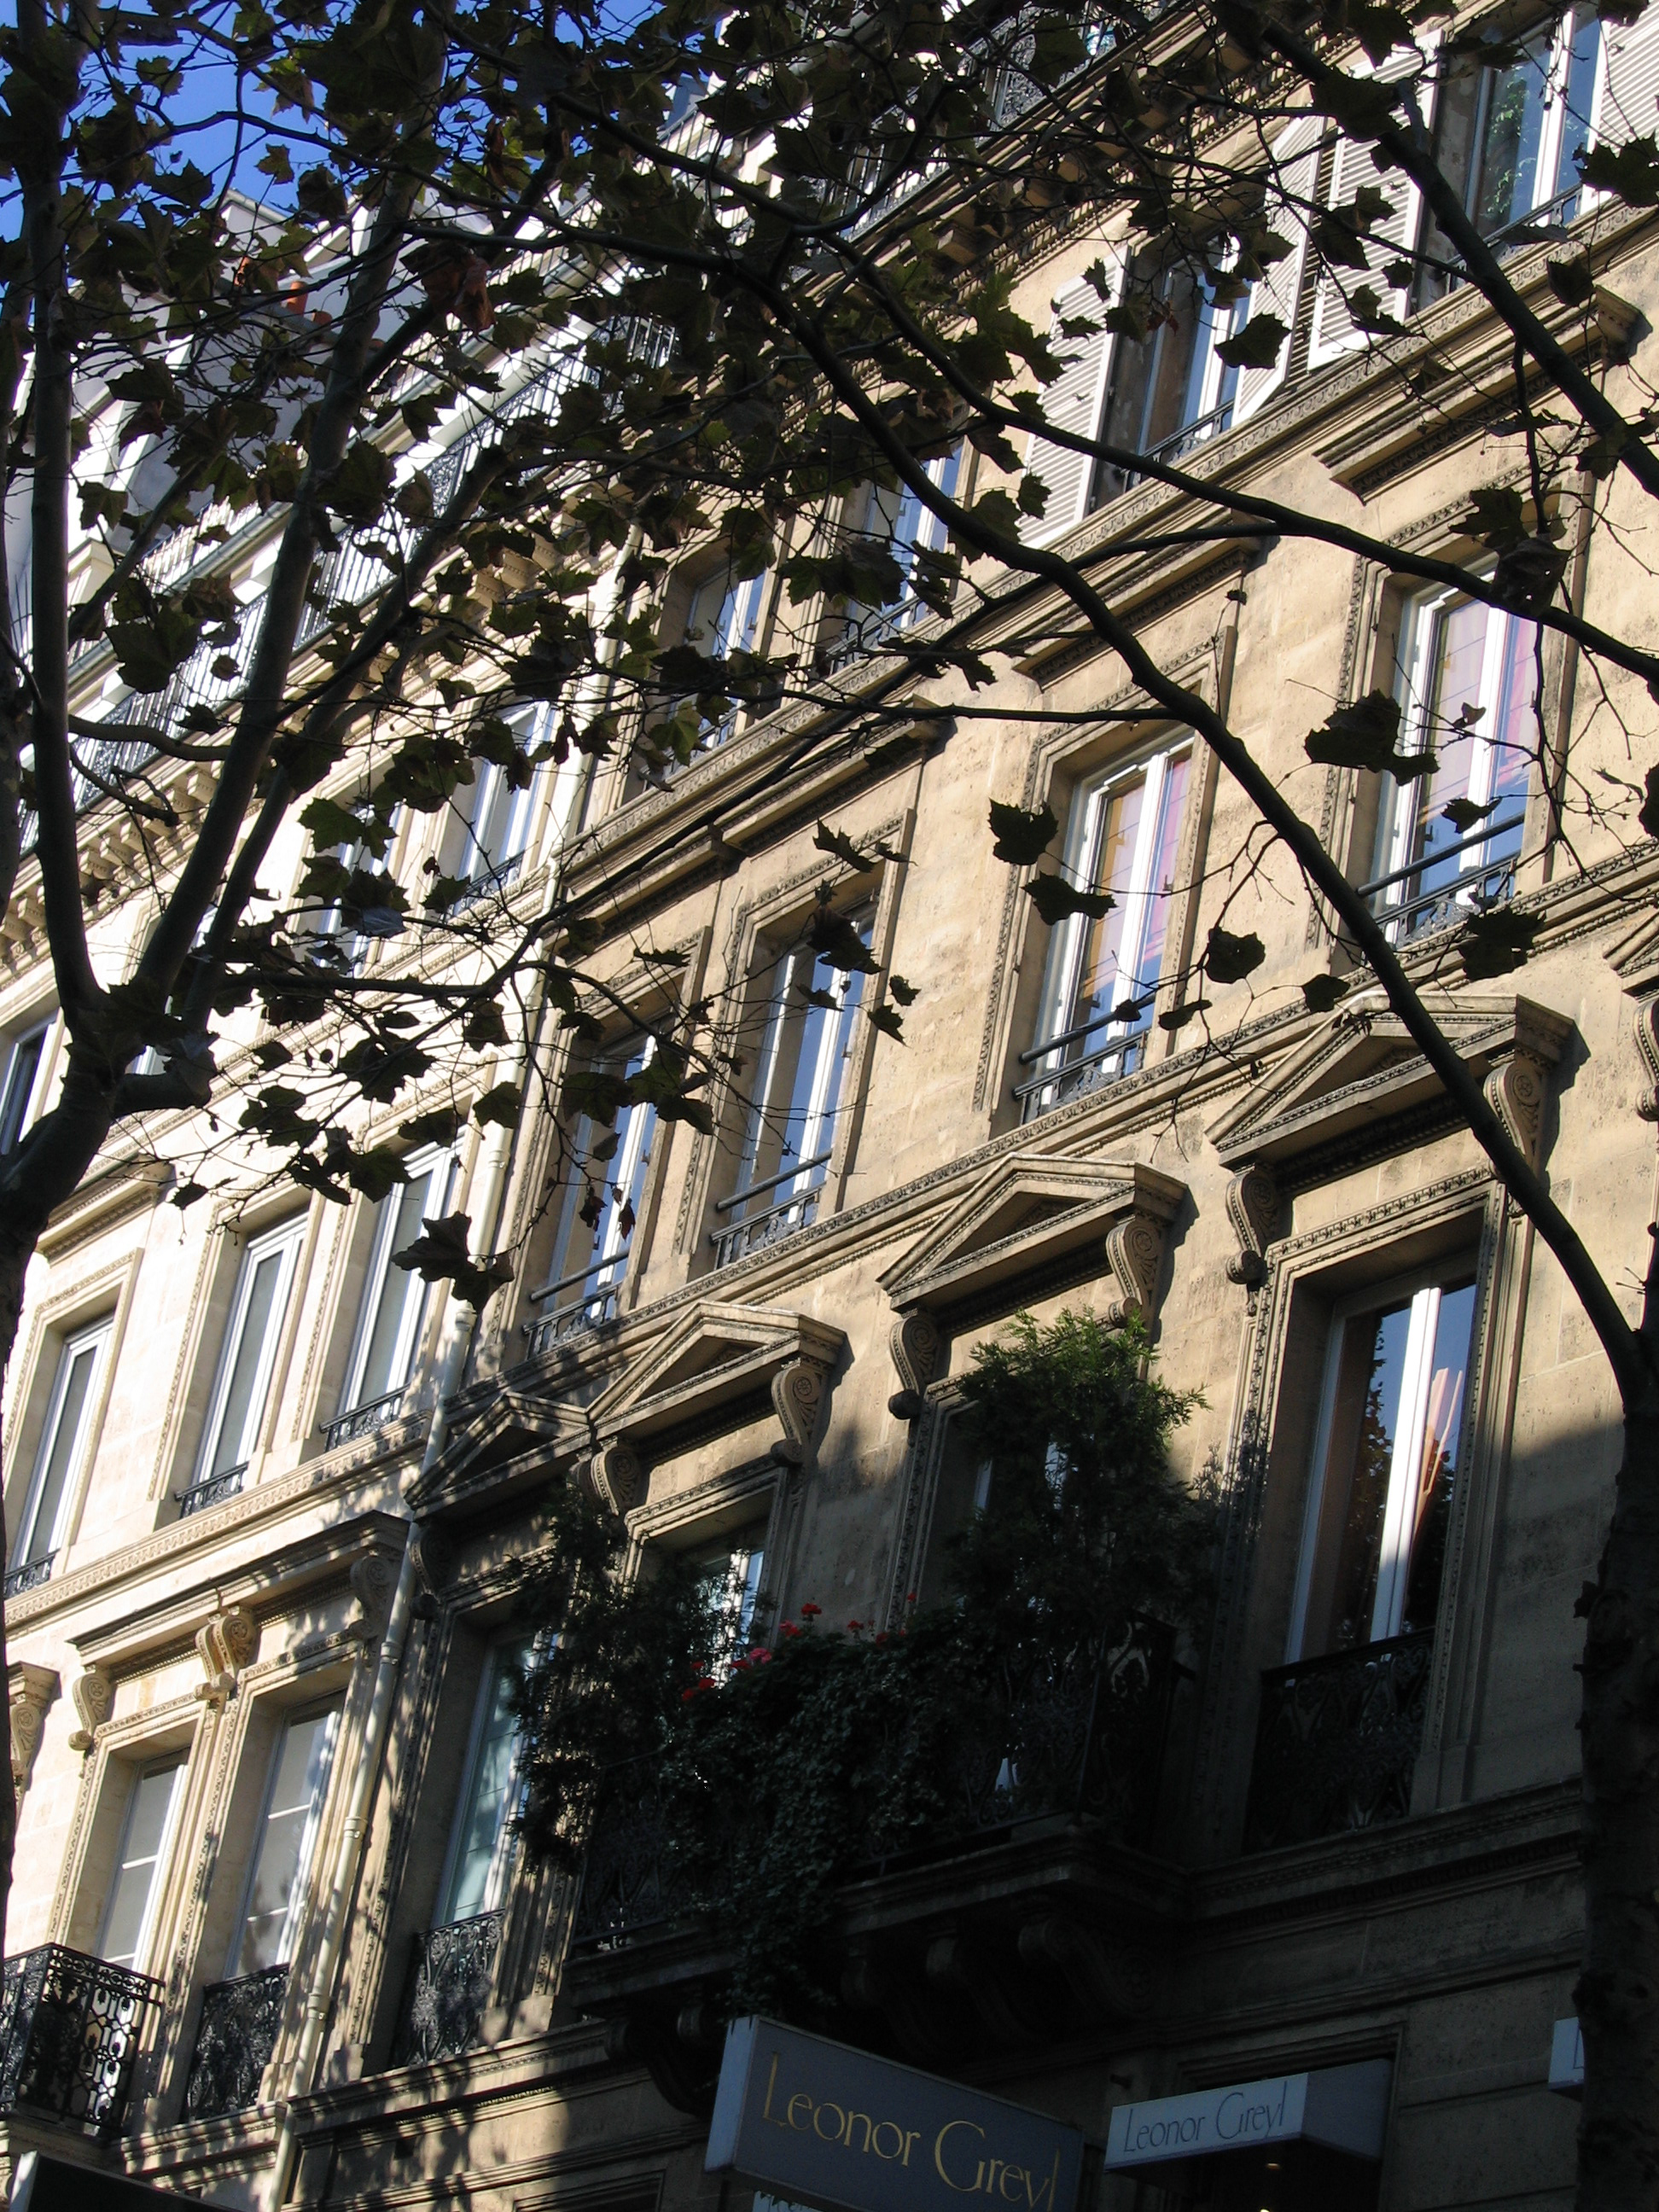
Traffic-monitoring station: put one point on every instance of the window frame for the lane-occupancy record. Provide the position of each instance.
(503, 1849)
(176, 1764)
(285, 1238)
(639, 1135)
(29, 1109)
(439, 1160)
(1453, 1268)
(292, 1717)
(96, 1336)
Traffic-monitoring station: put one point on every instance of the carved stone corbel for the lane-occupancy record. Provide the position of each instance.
(797, 1396)
(224, 1645)
(1135, 1253)
(32, 1689)
(914, 1341)
(616, 1475)
(1252, 1210)
(1647, 1044)
(435, 1557)
(1516, 1092)
(372, 1580)
(94, 1698)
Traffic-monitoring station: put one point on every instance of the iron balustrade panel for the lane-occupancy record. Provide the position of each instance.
(1337, 1741)
(1080, 1738)
(213, 1491)
(29, 1576)
(71, 2028)
(738, 1238)
(237, 2033)
(364, 1420)
(450, 1981)
(589, 1313)
(1041, 1094)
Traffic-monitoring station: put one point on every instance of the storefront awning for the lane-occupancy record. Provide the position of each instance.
(1343, 2107)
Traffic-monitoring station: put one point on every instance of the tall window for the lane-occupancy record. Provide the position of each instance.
(340, 935)
(141, 1867)
(1385, 1468)
(601, 1208)
(480, 1849)
(1446, 842)
(900, 523)
(285, 1843)
(1103, 975)
(65, 1441)
(799, 1076)
(1172, 390)
(394, 1298)
(236, 1411)
(487, 843)
(19, 1103)
(725, 619)
(729, 1581)
(1507, 139)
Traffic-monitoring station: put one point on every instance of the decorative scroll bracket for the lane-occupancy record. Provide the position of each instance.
(616, 1475)
(1135, 1253)
(32, 1689)
(94, 1693)
(1517, 1091)
(1647, 1044)
(372, 1582)
(224, 1645)
(914, 1341)
(797, 1399)
(1252, 1210)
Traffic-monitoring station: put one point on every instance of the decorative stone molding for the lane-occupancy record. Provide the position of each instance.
(1516, 1092)
(513, 1441)
(797, 1399)
(94, 1693)
(225, 1645)
(373, 1580)
(31, 1690)
(435, 1557)
(1135, 1253)
(914, 1342)
(615, 1476)
(1252, 1210)
(1647, 1044)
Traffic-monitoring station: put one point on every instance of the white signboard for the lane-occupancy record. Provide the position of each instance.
(1345, 2107)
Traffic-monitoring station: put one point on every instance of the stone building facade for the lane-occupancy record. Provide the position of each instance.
(261, 1600)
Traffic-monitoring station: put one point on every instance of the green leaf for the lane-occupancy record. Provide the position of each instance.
(500, 1105)
(1320, 993)
(1054, 898)
(1230, 959)
(1496, 944)
(441, 1255)
(362, 482)
(1257, 345)
(1365, 734)
(906, 993)
(1573, 282)
(1463, 813)
(1631, 170)
(1178, 1016)
(441, 1127)
(833, 938)
(1498, 516)
(1022, 838)
(838, 842)
(888, 1020)
(331, 823)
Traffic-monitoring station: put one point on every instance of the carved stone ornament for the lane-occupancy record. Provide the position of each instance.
(1647, 1044)
(94, 1698)
(914, 1341)
(224, 1645)
(1135, 1253)
(32, 1689)
(435, 1557)
(797, 1396)
(1252, 1210)
(372, 1581)
(616, 1475)
(1516, 1092)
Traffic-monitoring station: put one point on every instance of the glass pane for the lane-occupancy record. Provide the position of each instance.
(1098, 980)
(1161, 880)
(489, 1800)
(139, 1866)
(25, 1065)
(279, 1869)
(729, 1587)
(62, 1448)
(1356, 1491)
(603, 1205)
(1513, 739)
(1436, 1467)
(809, 1045)
(402, 1292)
(1506, 185)
(1581, 97)
(240, 1416)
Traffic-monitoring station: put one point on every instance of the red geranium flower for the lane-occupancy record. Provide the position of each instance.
(811, 1612)
(789, 1628)
(855, 1625)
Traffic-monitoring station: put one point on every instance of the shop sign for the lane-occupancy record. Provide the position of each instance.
(1345, 2107)
(821, 2125)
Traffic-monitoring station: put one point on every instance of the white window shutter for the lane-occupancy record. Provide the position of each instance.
(1394, 238)
(1296, 163)
(1072, 402)
(1629, 106)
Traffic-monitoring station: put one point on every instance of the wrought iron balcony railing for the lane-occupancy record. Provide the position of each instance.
(450, 1980)
(1337, 1741)
(1081, 1739)
(1411, 907)
(29, 1576)
(213, 1491)
(239, 2024)
(363, 1421)
(735, 1238)
(1063, 1079)
(71, 2027)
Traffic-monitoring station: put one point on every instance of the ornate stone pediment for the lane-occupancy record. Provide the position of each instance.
(717, 1361)
(1026, 1214)
(1361, 1071)
(513, 1439)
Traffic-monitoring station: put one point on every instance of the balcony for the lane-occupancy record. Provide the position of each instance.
(581, 1309)
(1337, 1742)
(239, 2024)
(1448, 885)
(364, 1420)
(213, 1491)
(1000, 1920)
(71, 2028)
(1070, 1074)
(450, 1980)
(733, 1240)
(29, 1575)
